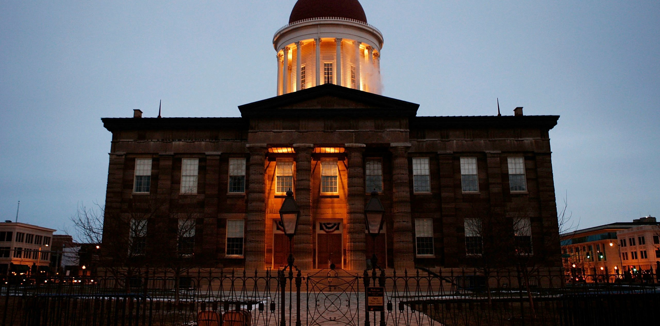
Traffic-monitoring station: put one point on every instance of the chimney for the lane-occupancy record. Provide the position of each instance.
(518, 111)
(137, 113)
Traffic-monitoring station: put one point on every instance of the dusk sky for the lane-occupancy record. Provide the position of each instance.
(66, 64)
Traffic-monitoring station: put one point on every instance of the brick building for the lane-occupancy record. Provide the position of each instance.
(454, 189)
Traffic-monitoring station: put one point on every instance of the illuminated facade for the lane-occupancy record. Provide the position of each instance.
(332, 143)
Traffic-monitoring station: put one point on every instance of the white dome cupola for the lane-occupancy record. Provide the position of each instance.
(328, 41)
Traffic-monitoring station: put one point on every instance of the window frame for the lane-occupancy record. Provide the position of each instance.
(229, 236)
(328, 180)
(142, 170)
(372, 179)
(421, 168)
(284, 180)
(138, 237)
(522, 228)
(328, 73)
(469, 174)
(186, 237)
(303, 77)
(189, 176)
(236, 171)
(423, 232)
(473, 237)
(516, 169)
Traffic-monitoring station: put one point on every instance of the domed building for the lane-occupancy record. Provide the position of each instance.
(328, 42)
(453, 192)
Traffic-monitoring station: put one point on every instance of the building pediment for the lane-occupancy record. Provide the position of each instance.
(329, 100)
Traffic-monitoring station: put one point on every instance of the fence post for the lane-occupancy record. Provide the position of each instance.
(282, 304)
(366, 297)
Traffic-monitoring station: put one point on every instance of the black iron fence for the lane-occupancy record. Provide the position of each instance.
(328, 297)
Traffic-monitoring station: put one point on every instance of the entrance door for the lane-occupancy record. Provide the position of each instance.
(329, 250)
(280, 250)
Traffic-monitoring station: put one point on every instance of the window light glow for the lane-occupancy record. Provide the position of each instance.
(329, 150)
(281, 150)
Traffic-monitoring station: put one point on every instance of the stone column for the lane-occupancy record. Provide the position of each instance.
(303, 245)
(449, 219)
(298, 68)
(357, 64)
(255, 246)
(403, 233)
(279, 75)
(211, 193)
(285, 70)
(318, 61)
(355, 228)
(338, 74)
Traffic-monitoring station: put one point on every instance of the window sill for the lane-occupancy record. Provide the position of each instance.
(234, 257)
(329, 195)
(519, 192)
(425, 256)
(471, 192)
(141, 193)
(423, 193)
(235, 194)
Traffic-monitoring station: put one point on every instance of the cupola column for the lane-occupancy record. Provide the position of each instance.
(338, 68)
(285, 70)
(318, 61)
(357, 65)
(279, 74)
(298, 68)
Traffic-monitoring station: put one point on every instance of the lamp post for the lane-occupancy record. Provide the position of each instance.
(289, 214)
(373, 218)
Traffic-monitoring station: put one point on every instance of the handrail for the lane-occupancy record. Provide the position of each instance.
(306, 20)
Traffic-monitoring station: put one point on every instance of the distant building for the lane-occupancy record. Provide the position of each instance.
(24, 248)
(602, 252)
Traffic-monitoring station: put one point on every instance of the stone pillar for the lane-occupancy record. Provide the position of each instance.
(285, 70)
(318, 61)
(338, 73)
(211, 192)
(303, 245)
(298, 68)
(356, 247)
(449, 220)
(113, 196)
(279, 74)
(357, 64)
(403, 233)
(255, 246)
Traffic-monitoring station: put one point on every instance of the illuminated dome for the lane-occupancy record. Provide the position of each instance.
(306, 9)
(328, 42)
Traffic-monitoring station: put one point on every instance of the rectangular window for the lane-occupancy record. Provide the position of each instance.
(329, 173)
(473, 237)
(353, 79)
(623, 242)
(642, 240)
(235, 237)
(284, 174)
(424, 236)
(657, 253)
(522, 231)
(4, 252)
(27, 253)
(142, 183)
(633, 255)
(45, 256)
(656, 239)
(624, 256)
(642, 254)
(2, 236)
(327, 73)
(469, 176)
(20, 236)
(303, 77)
(237, 175)
(374, 176)
(186, 237)
(421, 175)
(631, 241)
(189, 173)
(35, 254)
(46, 241)
(29, 238)
(138, 237)
(18, 252)
(517, 180)
(38, 239)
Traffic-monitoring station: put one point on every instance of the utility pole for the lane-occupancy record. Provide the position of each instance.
(17, 209)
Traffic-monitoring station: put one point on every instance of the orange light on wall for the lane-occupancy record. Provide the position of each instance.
(281, 150)
(329, 150)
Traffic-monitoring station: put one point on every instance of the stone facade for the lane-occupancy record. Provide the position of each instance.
(348, 126)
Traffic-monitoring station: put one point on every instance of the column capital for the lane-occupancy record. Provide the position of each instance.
(303, 146)
(354, 146)
(400, 145)
(213, 153)
(257, 148)
(338, 39)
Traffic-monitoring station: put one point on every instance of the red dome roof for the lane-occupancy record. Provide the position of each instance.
(305, 9)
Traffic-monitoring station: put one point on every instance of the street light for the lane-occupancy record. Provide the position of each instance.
(290, 213)
(374, 212)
